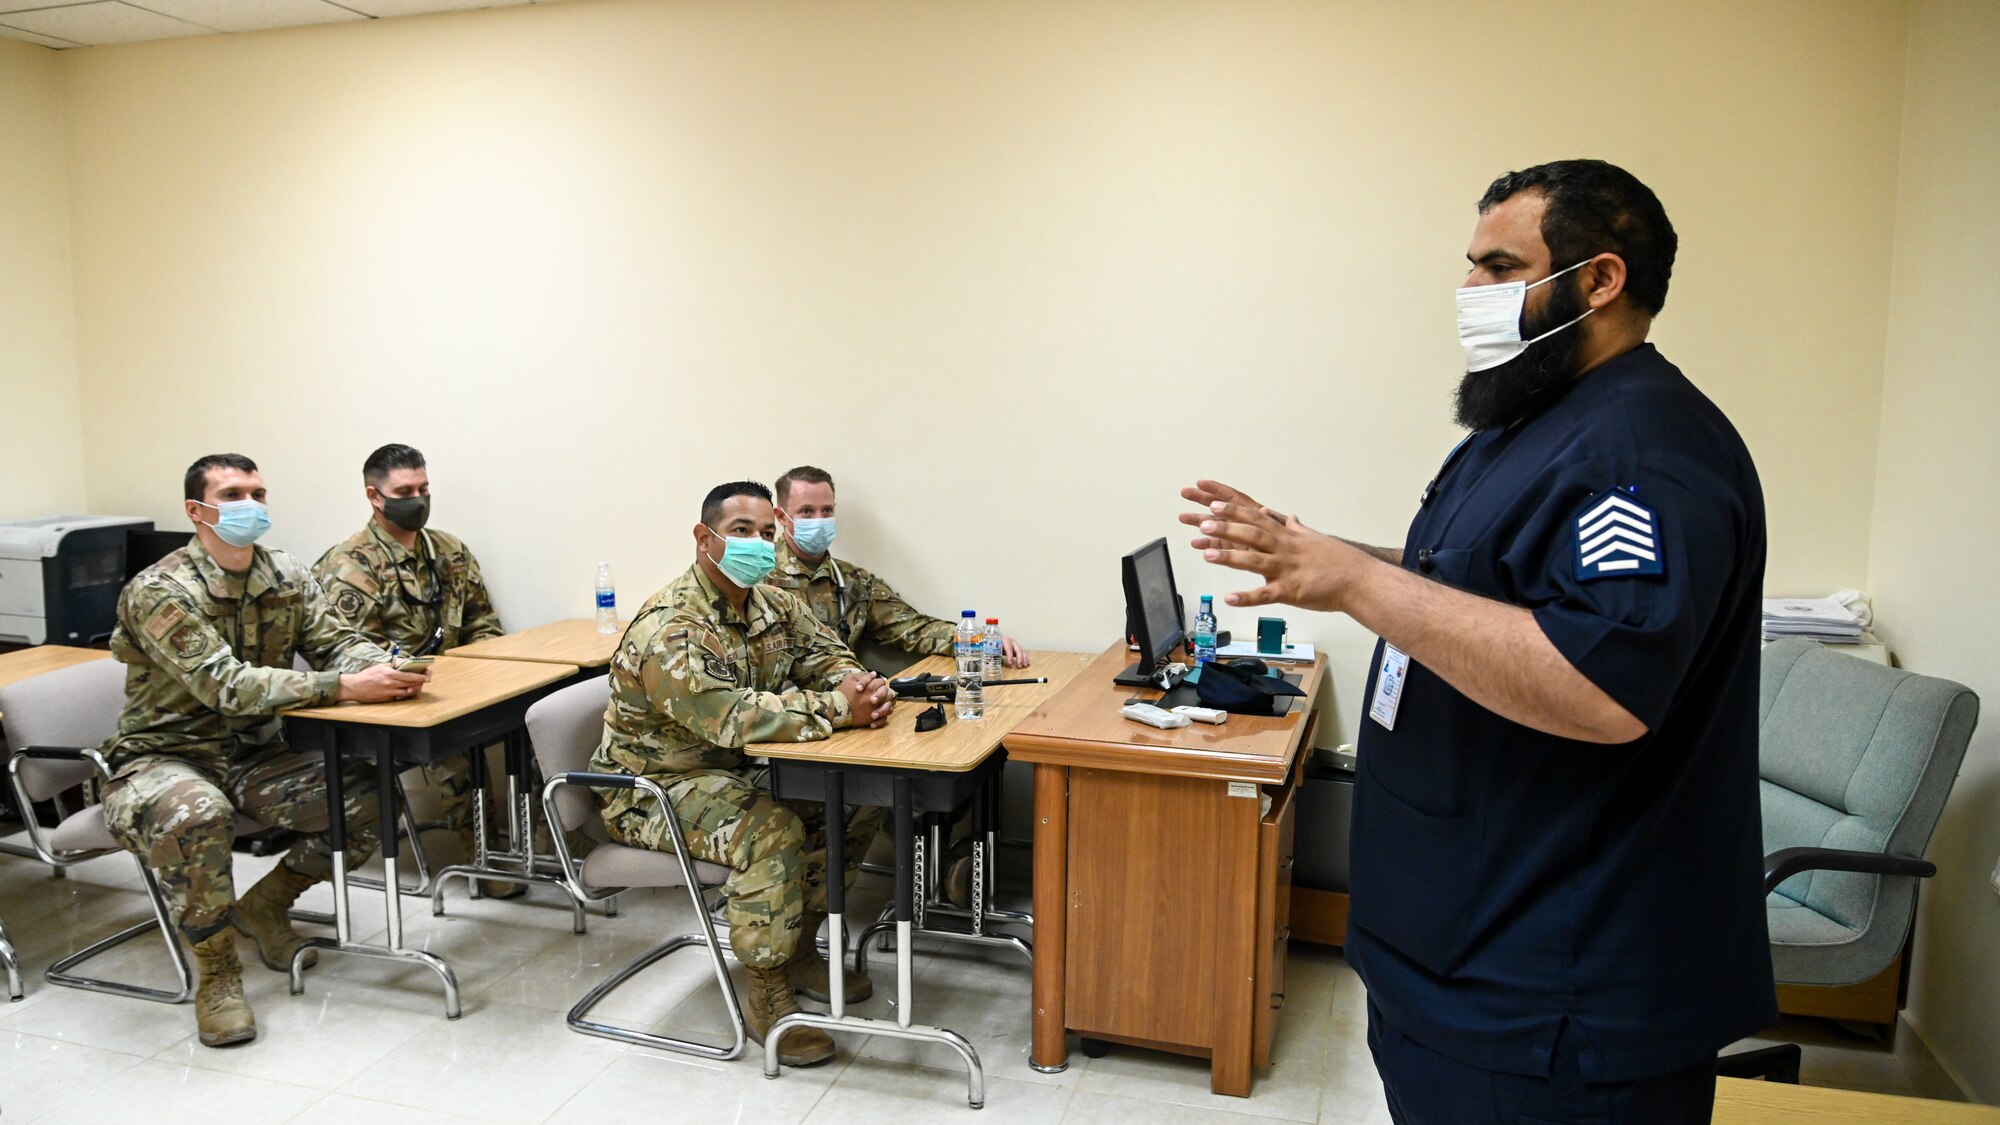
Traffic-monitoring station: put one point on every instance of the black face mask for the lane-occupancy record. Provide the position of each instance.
(410, 513)
(1524, 386)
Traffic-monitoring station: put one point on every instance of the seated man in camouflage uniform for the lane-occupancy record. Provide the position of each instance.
(697, 677)
(848, 599)
(862, 608)
(398, 582)
(207, 635)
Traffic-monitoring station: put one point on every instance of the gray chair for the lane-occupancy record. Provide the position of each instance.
(1855, 761)
(54, 723)
(565, 728)
(10, 961)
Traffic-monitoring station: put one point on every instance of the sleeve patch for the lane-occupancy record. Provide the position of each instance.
(164, 619)
(1617, 536)
(186, 641)
(350, 604)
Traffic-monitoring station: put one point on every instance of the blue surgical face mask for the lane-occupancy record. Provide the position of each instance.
(813, 537)
(746, 561)
(240, 523)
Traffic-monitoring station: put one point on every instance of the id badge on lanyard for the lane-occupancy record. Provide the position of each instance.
(1389, 686)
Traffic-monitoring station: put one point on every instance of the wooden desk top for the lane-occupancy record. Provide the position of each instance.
(1742, 1102)
(575, 641)
(457, 688)
(953, 748)
(28, 662)
(1081, 726)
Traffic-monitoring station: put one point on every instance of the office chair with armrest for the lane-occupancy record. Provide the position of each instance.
(564, 728)
(10, 961)
(1855, 761)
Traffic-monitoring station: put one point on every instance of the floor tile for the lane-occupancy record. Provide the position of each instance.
(341, 1109)
(501, 1063)
(1103, 1109)
(696, 1090)
(871, 1092)
(37, 1074)
(162, 1092)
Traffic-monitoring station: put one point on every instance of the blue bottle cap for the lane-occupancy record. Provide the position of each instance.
(967, 613)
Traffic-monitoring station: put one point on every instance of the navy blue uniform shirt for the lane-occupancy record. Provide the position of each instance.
(1506, 881)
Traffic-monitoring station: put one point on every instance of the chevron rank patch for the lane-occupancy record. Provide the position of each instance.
(1617, 536)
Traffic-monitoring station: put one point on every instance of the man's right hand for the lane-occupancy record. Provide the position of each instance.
(869, 699)
(380, 683)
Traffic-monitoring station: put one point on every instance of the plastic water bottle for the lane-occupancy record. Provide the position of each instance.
(1204, 632)
(607, 600)
(990, 667)
(971, 653)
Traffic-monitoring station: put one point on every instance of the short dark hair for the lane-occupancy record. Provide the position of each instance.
(388, 459)
(711, 505)
(195, 485)
(804, 474)
(1595, 207)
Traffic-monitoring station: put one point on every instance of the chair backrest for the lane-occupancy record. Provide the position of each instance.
(565, 727)
(73, 708)
(1859, 756)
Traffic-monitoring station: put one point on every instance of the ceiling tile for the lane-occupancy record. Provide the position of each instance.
(30, 37)
(24, 5)
(387, 8)
(239, 15)
(105, 21)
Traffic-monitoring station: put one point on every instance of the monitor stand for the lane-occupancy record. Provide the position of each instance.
(1142, 675)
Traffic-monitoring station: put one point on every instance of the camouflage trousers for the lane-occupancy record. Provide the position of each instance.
(178, 813)
(775, 850)
(452, 779)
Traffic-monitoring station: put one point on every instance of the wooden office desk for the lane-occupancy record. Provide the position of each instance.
(468, 704)
(575, 641)
(954, 748)
(27, 663)
(909, 772)
(1162, 886)
(1742, 1102)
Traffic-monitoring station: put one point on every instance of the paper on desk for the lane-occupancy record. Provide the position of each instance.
(1293, 654)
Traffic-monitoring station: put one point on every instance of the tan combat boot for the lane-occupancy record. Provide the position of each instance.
(490, 888)
(220, 1012)
(809, 970)
(770, 999)
(263, 916)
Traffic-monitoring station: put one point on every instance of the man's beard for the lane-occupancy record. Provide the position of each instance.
(1523, 386)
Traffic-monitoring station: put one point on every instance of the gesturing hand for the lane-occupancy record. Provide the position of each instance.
(1299, 566)
(380, 683)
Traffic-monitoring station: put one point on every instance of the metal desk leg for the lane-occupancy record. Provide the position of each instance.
(518, 863)
(985, 818)
(377, 742)
(836, 900)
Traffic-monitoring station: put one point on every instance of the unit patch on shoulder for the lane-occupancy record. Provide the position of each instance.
(1617, 536)
(164, 618)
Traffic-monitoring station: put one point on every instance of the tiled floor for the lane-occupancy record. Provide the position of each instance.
(369, 1042)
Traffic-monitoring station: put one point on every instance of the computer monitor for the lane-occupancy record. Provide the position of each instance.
(1152, 612)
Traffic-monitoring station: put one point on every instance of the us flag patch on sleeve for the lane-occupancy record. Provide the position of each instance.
(1617, 536)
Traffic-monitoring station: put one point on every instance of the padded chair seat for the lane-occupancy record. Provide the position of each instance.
(87, 832)
(1796, 924)
(615, 865)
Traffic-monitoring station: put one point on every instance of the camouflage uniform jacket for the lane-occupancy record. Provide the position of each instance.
(379, 586)
(859, 606)
(208, 655)
(692, 683)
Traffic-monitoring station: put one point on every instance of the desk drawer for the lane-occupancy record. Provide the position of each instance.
(1276, 851)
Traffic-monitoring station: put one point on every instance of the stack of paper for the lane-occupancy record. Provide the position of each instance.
(1818, 619)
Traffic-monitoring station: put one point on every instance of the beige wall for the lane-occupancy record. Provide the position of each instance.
(1931, 566)
(41, 469)
(595, 257)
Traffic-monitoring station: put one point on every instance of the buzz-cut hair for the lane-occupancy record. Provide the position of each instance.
(195, 484)
(387, 460)
(804, 474)
(711, 505)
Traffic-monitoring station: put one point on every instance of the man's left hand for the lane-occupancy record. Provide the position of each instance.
(1011, 652)
(1299, 566)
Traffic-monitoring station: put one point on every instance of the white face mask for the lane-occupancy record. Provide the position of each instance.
(1489, 321)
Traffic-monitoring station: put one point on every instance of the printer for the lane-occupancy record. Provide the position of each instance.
(60, 577)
